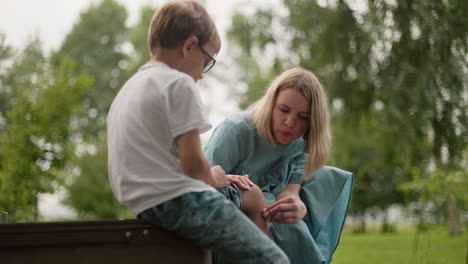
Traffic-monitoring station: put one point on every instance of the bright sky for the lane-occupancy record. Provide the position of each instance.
(51, 20)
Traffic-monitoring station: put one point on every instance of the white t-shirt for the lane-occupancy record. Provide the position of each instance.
(154, 107)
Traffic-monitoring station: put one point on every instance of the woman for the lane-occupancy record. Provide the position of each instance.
(282, 143)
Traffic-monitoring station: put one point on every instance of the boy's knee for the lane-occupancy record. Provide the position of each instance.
(253, 200)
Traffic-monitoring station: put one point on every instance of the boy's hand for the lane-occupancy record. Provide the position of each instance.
(241, 181)
(219, 176)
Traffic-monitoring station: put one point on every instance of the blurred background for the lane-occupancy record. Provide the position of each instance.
(396, 73)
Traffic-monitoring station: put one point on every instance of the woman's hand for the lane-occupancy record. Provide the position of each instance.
(288, 208)
(241, 181)
(220, 178)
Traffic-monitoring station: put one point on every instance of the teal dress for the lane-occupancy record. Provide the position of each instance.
(238, 149)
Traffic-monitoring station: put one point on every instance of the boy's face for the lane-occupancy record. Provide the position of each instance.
(197, 59)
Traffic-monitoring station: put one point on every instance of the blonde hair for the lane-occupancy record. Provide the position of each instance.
(317, 137)
(176, 21)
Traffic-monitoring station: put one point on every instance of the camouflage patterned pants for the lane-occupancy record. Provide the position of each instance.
(211, 221)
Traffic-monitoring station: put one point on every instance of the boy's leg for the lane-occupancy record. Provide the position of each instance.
(252, 203)
(214, 222)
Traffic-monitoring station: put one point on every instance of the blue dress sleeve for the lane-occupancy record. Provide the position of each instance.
(224, 146)
(297, 175)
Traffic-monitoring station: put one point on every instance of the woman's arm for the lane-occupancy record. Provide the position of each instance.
(288, 208)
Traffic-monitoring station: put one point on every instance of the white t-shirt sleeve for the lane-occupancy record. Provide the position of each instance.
(184, 108)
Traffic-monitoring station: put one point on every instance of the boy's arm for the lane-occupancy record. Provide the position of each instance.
(194, 162)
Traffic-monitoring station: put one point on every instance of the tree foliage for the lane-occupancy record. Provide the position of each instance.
(89, 192)
(6, 52)
(423, 82)
(97, 43)
(92, 179)
(34, 143)
(139, 40)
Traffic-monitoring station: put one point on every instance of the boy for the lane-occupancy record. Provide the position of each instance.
(156, 164)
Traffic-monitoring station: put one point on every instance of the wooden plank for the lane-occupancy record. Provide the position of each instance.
(106, 241)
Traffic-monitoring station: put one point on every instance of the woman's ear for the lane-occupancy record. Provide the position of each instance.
(189, 44)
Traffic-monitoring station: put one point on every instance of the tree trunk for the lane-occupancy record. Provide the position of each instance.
(36, 208)
(386, 226)
(421, 226)
(453, 217)
(416, 241)
(361, 226)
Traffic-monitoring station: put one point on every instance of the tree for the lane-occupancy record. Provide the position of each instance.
(250, 36)
(90, 193)
(97, 44)
(6, 52)
(91, 160)
(423, 80)
(34, 144)
(139, 40)
(396, 78)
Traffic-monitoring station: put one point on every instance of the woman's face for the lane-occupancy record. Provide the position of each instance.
(290, 117)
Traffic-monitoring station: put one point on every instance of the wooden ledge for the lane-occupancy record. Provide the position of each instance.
(111, 241)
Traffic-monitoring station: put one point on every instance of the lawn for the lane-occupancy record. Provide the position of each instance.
(434, 246)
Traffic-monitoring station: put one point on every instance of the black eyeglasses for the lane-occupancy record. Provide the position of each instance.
(210, 64)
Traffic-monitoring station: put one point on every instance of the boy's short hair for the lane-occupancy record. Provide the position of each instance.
(178, 20)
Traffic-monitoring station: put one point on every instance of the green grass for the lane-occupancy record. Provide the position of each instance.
(434, 246)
